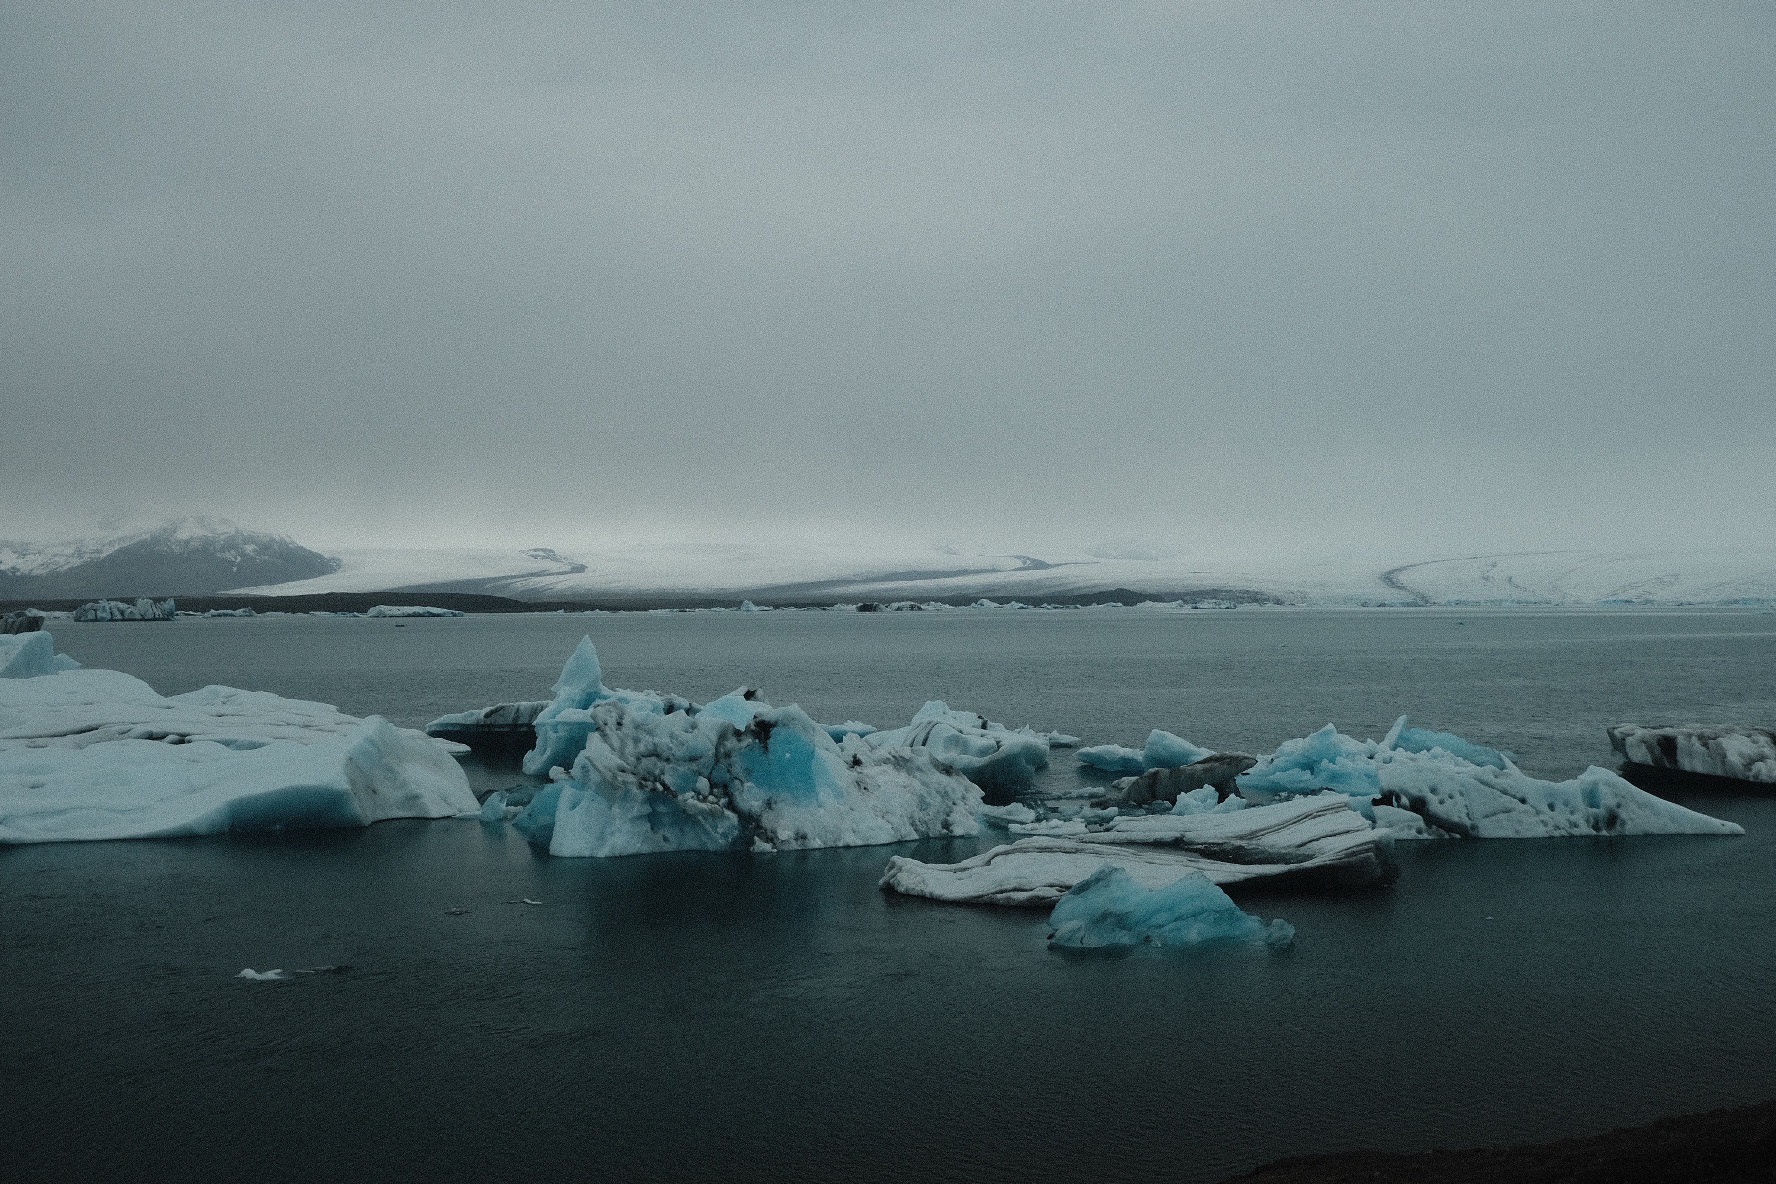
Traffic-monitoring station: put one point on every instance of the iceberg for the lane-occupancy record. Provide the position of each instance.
(991, 755)
(1111, 910)
(507, 727)
(1312, 838)
(412, 610)
(1163, 751)
(143, 609)
(659, 773)
(97, 754)
(1739, 753)
(1474, 798)
(31, 655)
(1217, 774)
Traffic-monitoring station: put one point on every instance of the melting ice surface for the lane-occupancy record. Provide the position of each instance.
(1111, 910)
(654, 772)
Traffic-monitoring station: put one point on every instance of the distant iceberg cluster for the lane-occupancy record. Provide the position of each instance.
(143, 609)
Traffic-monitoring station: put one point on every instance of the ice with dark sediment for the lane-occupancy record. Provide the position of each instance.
(1741, 753)
(638, 772)
(1473, 791)
(1314, 838)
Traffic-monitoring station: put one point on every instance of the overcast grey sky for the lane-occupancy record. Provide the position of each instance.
(1229, 277)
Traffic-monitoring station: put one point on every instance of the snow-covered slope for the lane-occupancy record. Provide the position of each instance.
(199, 555)
(1594, 577)
(189, 556)
(852, 571)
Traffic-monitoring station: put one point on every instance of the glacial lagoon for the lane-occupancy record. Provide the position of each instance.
(706, 1016)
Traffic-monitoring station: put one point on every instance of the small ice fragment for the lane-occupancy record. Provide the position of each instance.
(265, 976)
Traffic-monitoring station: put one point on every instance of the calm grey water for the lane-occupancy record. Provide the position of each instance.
(716, 1017)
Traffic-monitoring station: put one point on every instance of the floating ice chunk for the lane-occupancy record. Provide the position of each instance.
(1006, 815)
(1166, 751)
(1050, 826)
(1112, 758)
(1461, 797)
(1320, 837)
(494, 808)
(502, 727)
(1327, 759)
(130, 789)
(655, 773)
(1410, 739)
(1206, 800)
(1110, 910)
(412, 610)
(1741, 753)
(1162, 751)
(1403, 824)
(97, 754)
(31, 655)
(143, 609)
(265, 976)
(990, 755)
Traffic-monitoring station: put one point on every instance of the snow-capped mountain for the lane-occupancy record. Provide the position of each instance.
(186, 557)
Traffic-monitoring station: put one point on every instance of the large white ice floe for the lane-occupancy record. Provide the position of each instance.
(1111, 910)
(97, 754)
(1163, 750)
(1461, 788)
(1741, 753)
(28, 655)
(655, 772)
(1321, 837)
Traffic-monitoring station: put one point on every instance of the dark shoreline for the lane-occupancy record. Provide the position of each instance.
(1718, 1147)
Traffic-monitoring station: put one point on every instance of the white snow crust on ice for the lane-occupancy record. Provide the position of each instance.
(989, 754)
(97, 754)
(1465, 797)
(659, 773)
(1310, 836)
(1741, 753)
(1111, 910)
(1162, 751)
(28, 655)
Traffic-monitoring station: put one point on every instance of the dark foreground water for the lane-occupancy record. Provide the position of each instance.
(716, 1017)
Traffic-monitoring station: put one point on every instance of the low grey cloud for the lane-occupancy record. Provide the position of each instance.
(1161, 277)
